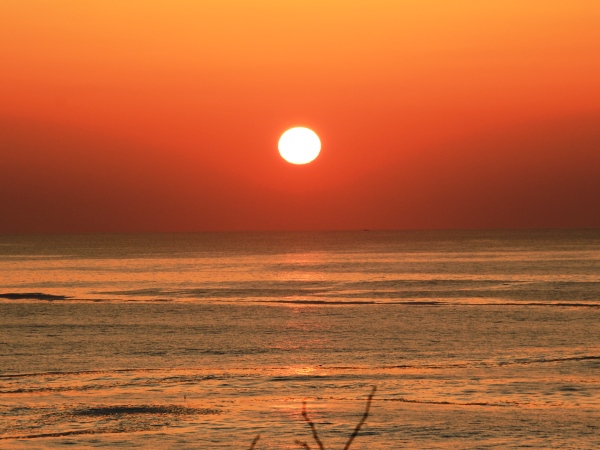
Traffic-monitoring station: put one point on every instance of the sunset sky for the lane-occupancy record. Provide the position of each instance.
(126, 116)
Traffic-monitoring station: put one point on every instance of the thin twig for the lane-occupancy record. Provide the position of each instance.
(254, 442)
(363, 420)
(312, 427)
(302, 444)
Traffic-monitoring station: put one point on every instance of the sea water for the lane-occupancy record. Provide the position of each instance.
(473, 339)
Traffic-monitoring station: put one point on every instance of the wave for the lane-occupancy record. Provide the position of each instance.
(373, 291)
(353, 302)
(548, 360)
(310, 298)
(32, 296)
(444, 402)
(76, 372)
(558, 304)
(521, 361)
(320, 302)
(116, 385)
(182, 378)
(101, 430)
(119, 412)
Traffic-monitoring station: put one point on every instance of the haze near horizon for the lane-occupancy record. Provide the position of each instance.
(160, 117)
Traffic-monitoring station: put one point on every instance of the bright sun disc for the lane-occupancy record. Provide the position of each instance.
(299, 145)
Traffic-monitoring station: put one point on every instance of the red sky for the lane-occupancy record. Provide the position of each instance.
(165, 116)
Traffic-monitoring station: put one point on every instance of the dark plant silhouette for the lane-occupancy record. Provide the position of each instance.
(312, 428)
(254, 442)
(315, 434)
(362, 420)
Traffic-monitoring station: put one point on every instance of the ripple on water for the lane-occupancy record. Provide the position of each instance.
(102, 419)
(120, 410)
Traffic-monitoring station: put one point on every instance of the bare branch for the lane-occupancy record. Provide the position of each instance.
(302, 444)
(363, 420)
(312, 427)
(254, 442)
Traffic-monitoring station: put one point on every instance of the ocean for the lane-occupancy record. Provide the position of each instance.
(473, 339)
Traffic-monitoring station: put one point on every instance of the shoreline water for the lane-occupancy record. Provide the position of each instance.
(192, 349)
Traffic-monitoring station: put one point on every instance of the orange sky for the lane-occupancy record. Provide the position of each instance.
(165, 115)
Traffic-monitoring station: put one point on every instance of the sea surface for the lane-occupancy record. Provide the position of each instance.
(473, 339)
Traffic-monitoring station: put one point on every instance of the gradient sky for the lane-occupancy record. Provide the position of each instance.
(122, 115)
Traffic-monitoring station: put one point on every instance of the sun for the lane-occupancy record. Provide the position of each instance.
(299, 145)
